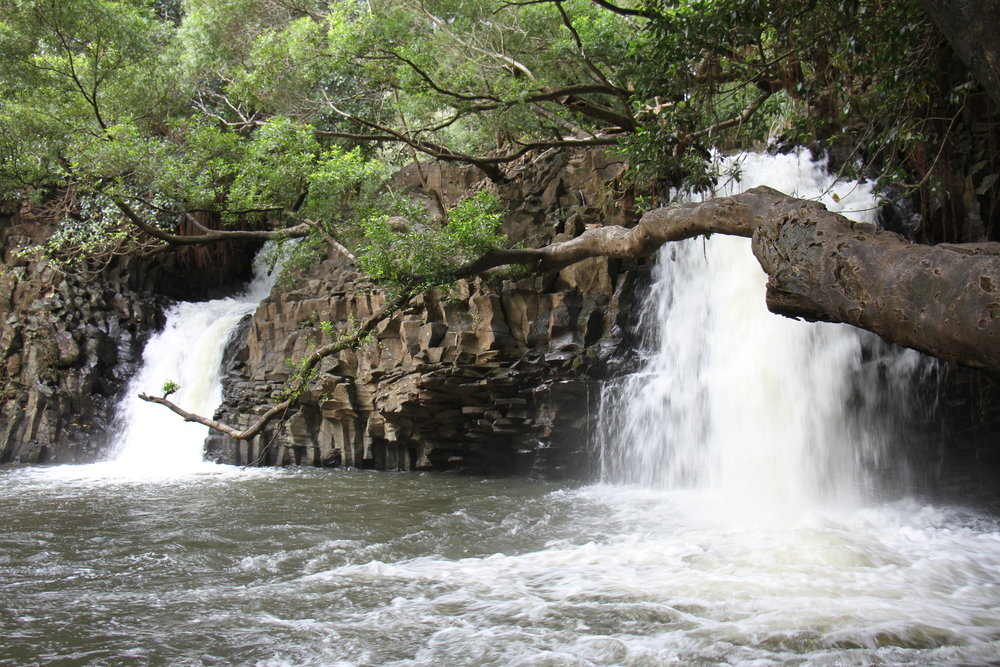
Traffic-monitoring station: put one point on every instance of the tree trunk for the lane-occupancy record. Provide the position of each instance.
(943, 300)
(971, 27)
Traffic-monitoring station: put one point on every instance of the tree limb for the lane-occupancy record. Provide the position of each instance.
(487, 164)
(736, 120)
(137, 220)
(943, 300)
(625, 11)
(304, 368)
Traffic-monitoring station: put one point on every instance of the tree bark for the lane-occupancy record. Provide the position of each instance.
(943, 300)
(970, 26)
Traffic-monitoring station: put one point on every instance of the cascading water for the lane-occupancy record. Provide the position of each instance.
(153, 440)
(733, 399)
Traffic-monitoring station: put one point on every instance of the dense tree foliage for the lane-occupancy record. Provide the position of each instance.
(127, 117)
(137, 124)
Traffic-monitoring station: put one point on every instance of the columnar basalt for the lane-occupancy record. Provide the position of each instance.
(70, 338)
(493, 375)
(68, 344)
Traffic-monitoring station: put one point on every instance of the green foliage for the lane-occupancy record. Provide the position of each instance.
(265, 114)
(342, 179)
(69, 70)
(398, 250)
(328, 329)
(857, 76)
(292, 258)
(473, 226)
(169, 387)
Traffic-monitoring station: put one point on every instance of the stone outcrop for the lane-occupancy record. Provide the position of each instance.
(68, 344)
(70, 340)
(495, 375)
(958, 417)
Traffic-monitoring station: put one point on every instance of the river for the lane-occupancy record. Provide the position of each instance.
(295, 567)
(746, 515)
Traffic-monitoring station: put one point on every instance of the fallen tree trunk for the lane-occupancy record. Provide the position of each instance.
(943, 300)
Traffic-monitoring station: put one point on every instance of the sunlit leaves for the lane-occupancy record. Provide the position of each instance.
(339, 179)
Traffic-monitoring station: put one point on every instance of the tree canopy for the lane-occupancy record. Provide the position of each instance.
(281, 117)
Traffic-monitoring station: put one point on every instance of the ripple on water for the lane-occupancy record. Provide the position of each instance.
(299, 567)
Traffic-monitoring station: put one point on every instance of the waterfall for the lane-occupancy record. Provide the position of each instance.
(189, 351)
(736, 401)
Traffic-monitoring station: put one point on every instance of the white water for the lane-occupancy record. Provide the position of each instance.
(751, 446)
(151, 440)
(735, 400)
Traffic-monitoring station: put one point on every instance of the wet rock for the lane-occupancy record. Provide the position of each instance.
(490, 376)
(69, 342)
(68, 350)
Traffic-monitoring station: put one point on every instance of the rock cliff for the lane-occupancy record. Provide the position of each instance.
(495, 375)
(70, 340)
(68, 344)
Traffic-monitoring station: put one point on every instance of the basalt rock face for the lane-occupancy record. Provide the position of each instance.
(961, 433)
(70, 340)
(68, 344)
(493, 376)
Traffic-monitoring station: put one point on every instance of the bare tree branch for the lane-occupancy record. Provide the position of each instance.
(625, 11)
(297, 231)
(304, 368)
(736, 120)
(502, 57)
(943, 300)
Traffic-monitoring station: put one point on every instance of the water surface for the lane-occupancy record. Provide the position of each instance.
(277, 567)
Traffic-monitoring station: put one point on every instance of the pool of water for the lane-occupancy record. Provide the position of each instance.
(296, 566)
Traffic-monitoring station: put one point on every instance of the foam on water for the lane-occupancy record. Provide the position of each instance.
(293, 567)
(735, 399)
(738, 523)
(901, 584)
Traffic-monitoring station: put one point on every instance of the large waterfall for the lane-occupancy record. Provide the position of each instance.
(734, 400)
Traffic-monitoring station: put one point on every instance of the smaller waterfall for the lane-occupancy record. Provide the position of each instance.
(189, 352)
(752, 407)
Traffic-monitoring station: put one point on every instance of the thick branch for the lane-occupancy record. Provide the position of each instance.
(626, 11)
(297, 231)
(943, 300)
(487, 164)
(737, 216)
